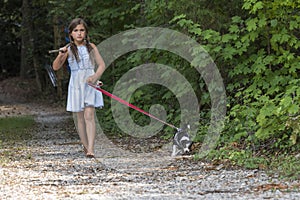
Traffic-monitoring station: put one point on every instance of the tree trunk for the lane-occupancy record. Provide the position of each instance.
(57, 42)
(28, 57)
(35, 60)
(25, 48)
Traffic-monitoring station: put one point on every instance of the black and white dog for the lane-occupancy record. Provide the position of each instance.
(181, 141)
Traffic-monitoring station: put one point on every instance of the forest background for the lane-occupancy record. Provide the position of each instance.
(254, 43)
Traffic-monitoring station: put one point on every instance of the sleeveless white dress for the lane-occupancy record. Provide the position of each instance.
(80, 94)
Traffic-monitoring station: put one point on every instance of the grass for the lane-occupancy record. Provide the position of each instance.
(16, 128)
(13, 132)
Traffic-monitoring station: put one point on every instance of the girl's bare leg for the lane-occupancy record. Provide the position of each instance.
(89, 117)
(82, 129)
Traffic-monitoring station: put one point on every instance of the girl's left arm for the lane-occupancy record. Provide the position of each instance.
(100, 66)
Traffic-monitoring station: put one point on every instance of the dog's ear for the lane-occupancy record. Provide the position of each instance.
(188, 127)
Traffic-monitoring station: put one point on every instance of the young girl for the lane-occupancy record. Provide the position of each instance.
(82, 57)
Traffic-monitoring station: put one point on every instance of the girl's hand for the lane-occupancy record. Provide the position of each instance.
(63, 51)
(92, 80)
(61, 58)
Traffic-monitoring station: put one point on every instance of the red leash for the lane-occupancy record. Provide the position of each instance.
(97, 87)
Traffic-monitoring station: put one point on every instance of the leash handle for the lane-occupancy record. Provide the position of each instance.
(98, 87)
(58, 50)
(55, 51)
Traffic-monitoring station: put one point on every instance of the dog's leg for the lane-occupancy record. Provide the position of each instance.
(174, 153)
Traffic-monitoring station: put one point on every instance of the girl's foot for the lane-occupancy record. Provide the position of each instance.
(84, 149)
(90, 155)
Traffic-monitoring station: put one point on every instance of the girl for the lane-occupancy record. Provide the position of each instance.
(82, 99)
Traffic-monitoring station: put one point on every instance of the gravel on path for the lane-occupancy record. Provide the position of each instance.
(52, 165)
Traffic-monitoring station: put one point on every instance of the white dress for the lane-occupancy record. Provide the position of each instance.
(80, 94)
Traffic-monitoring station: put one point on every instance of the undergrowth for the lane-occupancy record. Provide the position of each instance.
(285, 163)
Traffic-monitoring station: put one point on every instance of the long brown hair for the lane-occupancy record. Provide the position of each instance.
(73, 46)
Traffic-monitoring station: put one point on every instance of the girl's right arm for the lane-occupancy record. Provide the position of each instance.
(61, 58)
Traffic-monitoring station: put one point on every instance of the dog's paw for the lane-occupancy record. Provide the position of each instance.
(176, 153)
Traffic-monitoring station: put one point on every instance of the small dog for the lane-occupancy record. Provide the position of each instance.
(181, 142)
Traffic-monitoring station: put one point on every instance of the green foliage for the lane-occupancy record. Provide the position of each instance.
(107, 18)
(273, 84)
(259, 56)
(256, 53)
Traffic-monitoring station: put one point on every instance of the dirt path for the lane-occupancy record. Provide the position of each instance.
(52, 165)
